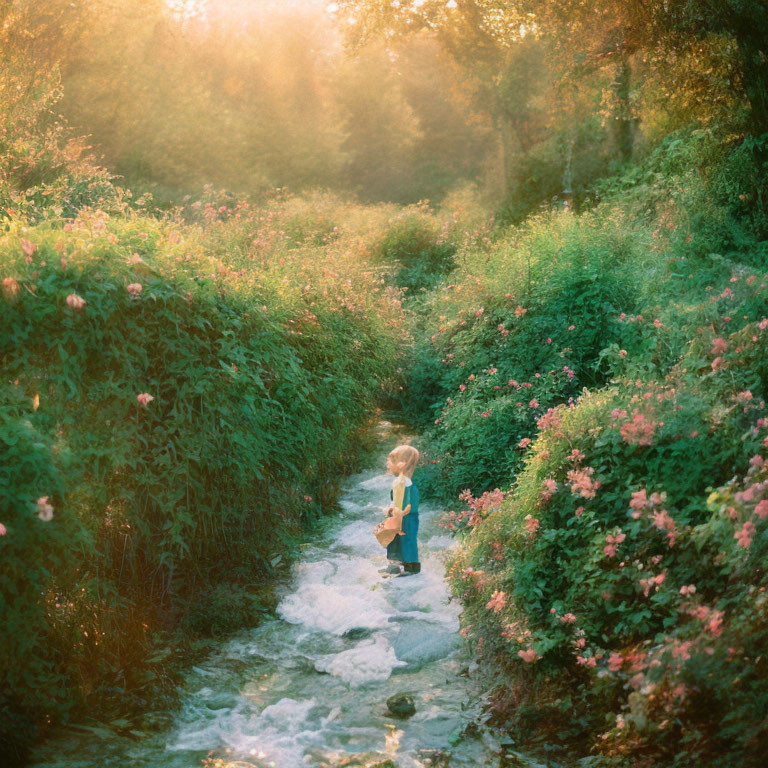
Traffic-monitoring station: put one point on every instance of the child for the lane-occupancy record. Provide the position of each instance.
(404, 547)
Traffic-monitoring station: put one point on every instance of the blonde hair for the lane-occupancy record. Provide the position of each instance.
(403, 460)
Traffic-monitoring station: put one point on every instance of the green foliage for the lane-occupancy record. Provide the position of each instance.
(262, 357)
(633, 465)
(521, 329)
(223, 609)
(414, 242)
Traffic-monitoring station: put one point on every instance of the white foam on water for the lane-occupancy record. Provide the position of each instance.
(289, 714)
(371, 661)
(441, 543)
(334, 608)
(378, 483)
(359, 536)
(280, 733)
(424, 596)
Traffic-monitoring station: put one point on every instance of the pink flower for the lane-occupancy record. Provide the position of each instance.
(718, 363)
(10, 288)
(462, 387)
(525, 442)
(714, 625)
(307, 498)
(582, 483)
(690, 589)
(75, 301)
(615, 661)
(497, 602)
(622, 353)
(744, 535)
(761, 510)
(579, 511)
(480, 312)
(534, 403)
(664, 522)
(638, 431)
(531, 524)
(571, 327)
(763, 324)
(587, 661)
(144, 399)
(682, 651)
(485, 414)
(3, 530)
(528, 655)
(658, 323)
(44, 509)
(134, 289)
(719, 345)
(550, 420)
(639, 502)
(520, 311)
(28, 247)
(611, 542)
(568, 618)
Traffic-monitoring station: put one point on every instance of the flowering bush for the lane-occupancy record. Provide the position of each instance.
(514, 333)
(617, 591)
(172, 396)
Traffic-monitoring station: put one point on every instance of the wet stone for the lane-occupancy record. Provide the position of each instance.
(434, 758)
(420, 643)
(356, 760)
(401, 705)
(358, 633)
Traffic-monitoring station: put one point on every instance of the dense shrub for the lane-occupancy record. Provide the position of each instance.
(180, 400)
(614, 587)
(613, 565)
(522, 328)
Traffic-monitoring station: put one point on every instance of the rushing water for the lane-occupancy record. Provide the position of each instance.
(310, 688)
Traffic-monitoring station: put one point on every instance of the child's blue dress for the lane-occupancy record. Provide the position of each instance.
(405, 548)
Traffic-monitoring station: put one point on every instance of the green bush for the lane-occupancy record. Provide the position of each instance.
(414, 242)
(614, 587)
(521, 329)
(184, 406)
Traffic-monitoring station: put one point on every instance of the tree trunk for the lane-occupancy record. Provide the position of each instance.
(754, 67)
(624, 120)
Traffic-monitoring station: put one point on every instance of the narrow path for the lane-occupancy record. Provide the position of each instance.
(309, 689)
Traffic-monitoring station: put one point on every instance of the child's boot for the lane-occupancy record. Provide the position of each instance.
(411, 569)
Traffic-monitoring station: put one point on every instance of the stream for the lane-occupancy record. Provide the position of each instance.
(310, 687)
